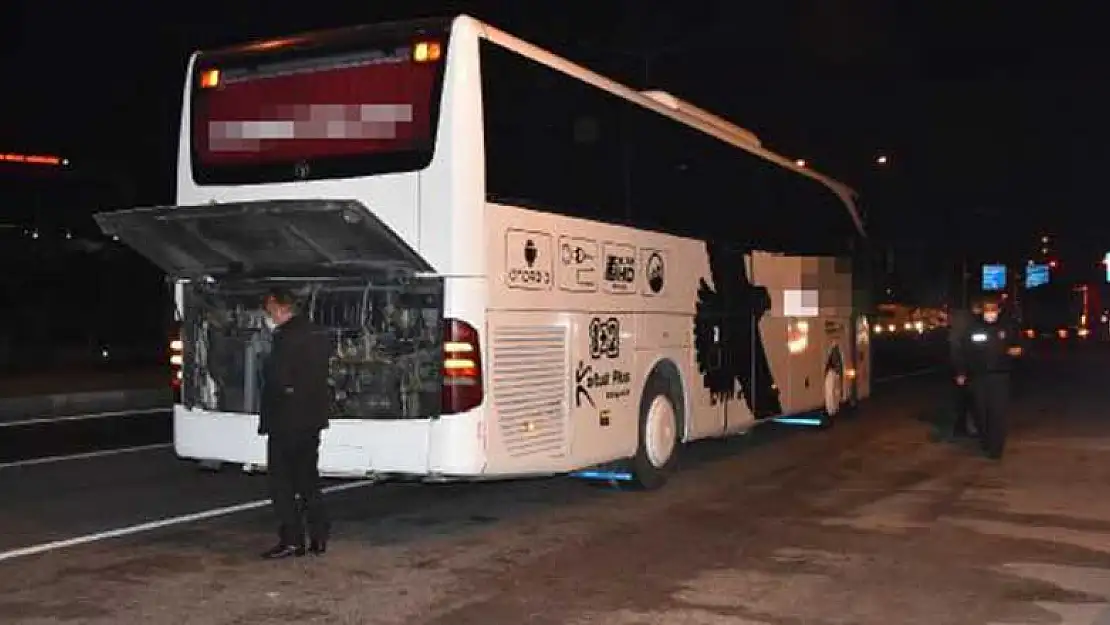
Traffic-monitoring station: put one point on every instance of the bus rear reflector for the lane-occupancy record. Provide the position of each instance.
(462, 367)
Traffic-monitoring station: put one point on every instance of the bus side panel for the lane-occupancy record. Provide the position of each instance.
(669, 337)
(835, 334)
(773, 272)
(529, 428)
(810, 317)
(452, 235)
(621, 299)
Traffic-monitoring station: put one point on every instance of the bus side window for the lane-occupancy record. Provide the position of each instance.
(553, 143)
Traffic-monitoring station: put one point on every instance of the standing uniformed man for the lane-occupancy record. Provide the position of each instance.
(294, 410)
(983, 364)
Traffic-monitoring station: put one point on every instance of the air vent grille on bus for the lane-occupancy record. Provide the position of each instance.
(529, 382)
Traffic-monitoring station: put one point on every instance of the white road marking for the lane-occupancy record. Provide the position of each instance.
(82, 417)
(84, 456)
(159, 524)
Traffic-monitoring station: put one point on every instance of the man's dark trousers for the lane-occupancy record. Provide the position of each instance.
(293, 471)
(991, 393)
(963, 408)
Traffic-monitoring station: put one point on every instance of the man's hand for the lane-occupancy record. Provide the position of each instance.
(961, 380)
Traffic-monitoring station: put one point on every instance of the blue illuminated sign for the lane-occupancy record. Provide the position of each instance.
(1036, 275)
(994, 277)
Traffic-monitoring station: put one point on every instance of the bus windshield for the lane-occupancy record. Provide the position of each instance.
(315, 111)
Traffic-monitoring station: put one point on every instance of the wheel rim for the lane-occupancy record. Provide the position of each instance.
(834, 392)
(660, 432)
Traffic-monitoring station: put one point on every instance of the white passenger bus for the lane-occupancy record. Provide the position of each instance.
(527, 268)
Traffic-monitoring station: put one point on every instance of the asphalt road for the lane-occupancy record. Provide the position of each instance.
(94, 433)
(866, 522)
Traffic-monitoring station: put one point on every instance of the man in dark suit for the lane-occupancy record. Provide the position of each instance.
(294, 410)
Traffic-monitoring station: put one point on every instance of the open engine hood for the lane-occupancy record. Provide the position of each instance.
(261, 237)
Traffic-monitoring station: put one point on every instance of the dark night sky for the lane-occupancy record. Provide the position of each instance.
(994, 110)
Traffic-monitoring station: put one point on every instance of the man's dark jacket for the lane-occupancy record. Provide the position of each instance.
(295, 393)
(971, 358)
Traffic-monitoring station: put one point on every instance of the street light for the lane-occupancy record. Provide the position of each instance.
(801, 162)
(882, 160)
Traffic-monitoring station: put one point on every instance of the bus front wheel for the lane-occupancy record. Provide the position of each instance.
(657, 451)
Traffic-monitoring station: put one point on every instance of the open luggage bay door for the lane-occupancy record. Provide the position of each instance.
(261, 237)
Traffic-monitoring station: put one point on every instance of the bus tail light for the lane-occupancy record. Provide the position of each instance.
(177, 359)
(462, 367)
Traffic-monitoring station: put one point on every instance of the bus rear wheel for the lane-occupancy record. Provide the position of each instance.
(657, 451)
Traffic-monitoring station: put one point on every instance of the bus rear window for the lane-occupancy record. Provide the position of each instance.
(323, 116)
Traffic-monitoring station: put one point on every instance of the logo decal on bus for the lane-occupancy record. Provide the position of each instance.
(528, 260)
(616, 384)
(654, 270)
(530, 253)
(620, 268)
(580, 375)
(727, 340)
(578, 268)
(605, 338)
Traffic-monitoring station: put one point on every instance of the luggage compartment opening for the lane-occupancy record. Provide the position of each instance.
(351, 273)
(386, 332)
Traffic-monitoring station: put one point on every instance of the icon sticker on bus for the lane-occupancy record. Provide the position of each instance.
(654, 271)
(620, 268)
(577, 264)
(528, 260)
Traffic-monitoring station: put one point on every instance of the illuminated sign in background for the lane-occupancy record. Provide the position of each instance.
(994, 277)
(1036, 275)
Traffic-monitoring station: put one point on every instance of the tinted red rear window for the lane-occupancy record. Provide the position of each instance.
(324, 116)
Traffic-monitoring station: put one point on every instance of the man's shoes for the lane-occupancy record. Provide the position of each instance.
(318, 547)
(284, 551)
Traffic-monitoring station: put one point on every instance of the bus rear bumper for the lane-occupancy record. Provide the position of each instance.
(348, 448)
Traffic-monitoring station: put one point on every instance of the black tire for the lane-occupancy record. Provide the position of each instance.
(645, 474)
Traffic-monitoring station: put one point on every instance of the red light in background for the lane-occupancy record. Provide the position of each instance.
(33, 159)
(1052, 264)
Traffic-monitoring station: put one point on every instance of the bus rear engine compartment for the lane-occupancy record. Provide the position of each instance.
(386, 334)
